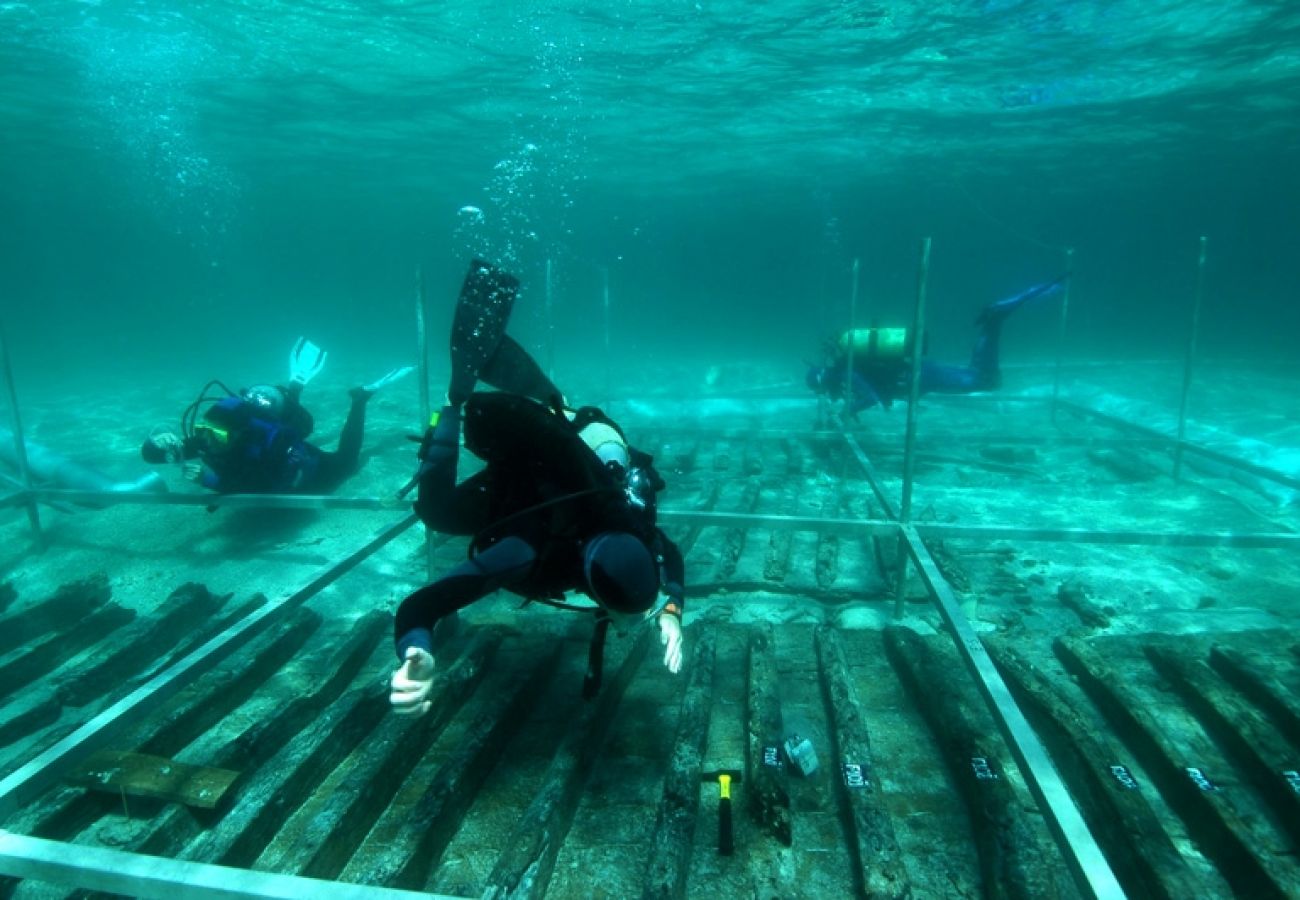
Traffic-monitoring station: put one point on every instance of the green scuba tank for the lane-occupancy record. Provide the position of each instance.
(877, 344)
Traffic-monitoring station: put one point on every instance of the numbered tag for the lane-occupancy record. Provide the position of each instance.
(1293, 779)
(854, 777)
(1124, 777)
(983, 769)
(772, 757)
(1200, 779)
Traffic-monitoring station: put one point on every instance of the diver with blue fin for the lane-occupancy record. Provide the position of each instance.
(565, 504)
(881, 359)
(255, 440)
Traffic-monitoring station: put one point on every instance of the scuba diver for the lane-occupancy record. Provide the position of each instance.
(881, 359)
(563, 504)
(255, 440)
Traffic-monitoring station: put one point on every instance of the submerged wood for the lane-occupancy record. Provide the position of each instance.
(1223, 833)
(1257, 746)
(24, 670)
(767, 799)
(670, 848)
(1145, 859)
(141, 775)
(1012, 863)
(187, 605)
(882, 872)
(524, 868)
(282, 783)
(375, 771)
(175, 826)
(65, 611)
(407, 855)
(1263, 689)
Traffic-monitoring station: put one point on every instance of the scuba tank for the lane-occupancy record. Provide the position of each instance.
(877, 344)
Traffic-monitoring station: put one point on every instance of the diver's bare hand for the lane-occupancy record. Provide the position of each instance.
(193, 471)
(411, 684)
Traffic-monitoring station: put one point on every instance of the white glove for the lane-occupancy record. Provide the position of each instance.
(193, 471)
(412, 683)
(670, 635)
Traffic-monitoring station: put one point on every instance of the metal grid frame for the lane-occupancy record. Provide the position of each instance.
(148, 876)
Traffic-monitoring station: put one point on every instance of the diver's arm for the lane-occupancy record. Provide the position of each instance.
(674, 572)
(864, 396)
(435, 501)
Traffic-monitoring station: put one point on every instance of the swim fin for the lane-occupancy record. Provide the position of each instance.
(305, 362)
(482, 312)
(512, 369)
(385, 380)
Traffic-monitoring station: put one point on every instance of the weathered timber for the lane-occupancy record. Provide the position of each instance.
(1116, 808)
(410, 849)
(282, 783)
(204, 631)
(670, 849)
(68, 811)
(141, 775)
(768, 801)
(874, 848)
(686, 542)
(375, 771)
(733, 539)
(187, 605)
(1262, 688)
(524, 867)
(1223, 833)
(24, 670)
(1127, 466)
(8, 594)
(41, 715)
(212, 698)
(1257, 746)
(66, 610)
(1074, 598)
(172, 828)
(1012, 863)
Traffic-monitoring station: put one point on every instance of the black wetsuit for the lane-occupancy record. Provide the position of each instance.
(267, 454)
(542, 497)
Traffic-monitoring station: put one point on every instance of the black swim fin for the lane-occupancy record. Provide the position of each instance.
(486, 299)
(512, 369)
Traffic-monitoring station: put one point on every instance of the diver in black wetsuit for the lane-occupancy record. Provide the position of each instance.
(255, 441)
(881, 360)
(564, 504)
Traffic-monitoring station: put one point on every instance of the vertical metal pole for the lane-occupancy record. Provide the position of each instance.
(913, 396)
(422, 372)
(20, 444)
(550, 325)
(609, 365)
(1191, 357)
(850, 336)
(1060, 330)
(422, 349)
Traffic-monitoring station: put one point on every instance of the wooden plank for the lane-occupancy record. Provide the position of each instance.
(1013, 862)
(674, 834)
(67, 609)
(883, 873)
(524, 867)
(1144, 858)
(143, 775)
(768, 800)
(1224, 832)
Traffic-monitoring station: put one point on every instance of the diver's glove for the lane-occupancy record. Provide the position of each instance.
(670, 635)
(412, 683)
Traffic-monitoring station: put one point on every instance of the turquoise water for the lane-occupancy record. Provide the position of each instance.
(207, 180)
